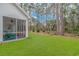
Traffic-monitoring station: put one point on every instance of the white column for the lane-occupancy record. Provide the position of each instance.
(1, 29)
(27, 27)
(16, 28)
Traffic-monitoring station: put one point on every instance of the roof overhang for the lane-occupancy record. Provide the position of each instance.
(21, 10)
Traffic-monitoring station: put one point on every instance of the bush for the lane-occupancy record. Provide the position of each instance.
(38, 30)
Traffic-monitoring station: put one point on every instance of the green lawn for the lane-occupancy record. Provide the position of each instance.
(42, 45)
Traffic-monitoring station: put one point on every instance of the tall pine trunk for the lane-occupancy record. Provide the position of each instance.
(59, 19)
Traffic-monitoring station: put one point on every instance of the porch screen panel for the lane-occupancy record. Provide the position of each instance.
(9, 28)
(21, 31)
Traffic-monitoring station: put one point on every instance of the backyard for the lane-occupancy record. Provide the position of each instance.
(41, 45)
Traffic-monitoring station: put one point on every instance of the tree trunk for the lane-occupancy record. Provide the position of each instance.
(59, 19)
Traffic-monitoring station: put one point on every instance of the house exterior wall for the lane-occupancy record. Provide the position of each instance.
(10, 10)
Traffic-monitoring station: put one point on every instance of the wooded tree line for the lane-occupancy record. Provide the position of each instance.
(66, 17)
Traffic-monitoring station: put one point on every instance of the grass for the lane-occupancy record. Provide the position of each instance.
(41, 45)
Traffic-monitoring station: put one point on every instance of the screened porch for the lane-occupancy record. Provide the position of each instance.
(13, 28)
